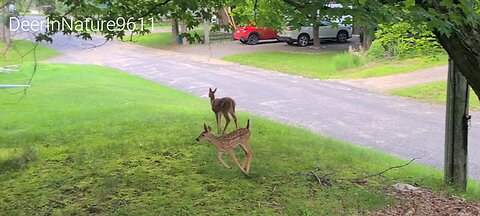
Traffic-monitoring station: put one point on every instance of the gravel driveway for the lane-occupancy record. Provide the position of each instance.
(226, 48)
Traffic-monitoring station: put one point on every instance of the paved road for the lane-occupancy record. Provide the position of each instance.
(400, 127)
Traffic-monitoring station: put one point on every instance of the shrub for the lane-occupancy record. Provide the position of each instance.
(402, 40)
(376, 51)
(346, 60)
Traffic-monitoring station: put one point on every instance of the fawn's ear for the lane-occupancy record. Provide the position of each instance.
(215, 90)
(209, 89)
(209, 128)
(204, 127)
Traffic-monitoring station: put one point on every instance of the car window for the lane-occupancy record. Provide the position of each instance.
(324, 23)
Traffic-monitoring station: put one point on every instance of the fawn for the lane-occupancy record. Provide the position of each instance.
(228, 143)
(223, 106)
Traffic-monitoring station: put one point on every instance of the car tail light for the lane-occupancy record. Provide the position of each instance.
(289, 28)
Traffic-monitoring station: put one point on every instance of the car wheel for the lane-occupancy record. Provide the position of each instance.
(303, 40)
(342, 36)
(252, 39)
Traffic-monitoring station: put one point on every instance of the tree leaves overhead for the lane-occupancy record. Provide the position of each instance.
(267, 13)
(94, 16)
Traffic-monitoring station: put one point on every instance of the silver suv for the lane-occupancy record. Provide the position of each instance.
(326, 31)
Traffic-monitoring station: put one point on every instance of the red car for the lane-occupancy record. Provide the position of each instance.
(251, 34)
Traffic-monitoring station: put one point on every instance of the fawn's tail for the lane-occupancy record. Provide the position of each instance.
(233, 105)
(248, 124)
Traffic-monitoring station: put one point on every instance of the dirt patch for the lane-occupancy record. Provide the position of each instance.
(398, 81)
(422, 201)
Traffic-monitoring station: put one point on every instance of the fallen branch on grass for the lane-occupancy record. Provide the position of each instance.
(326, 181)
(316, 176)
(364, 178)
(322, 181)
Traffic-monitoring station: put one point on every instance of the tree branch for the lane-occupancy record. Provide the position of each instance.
(155, 8)
(362, 179)
(296, 5)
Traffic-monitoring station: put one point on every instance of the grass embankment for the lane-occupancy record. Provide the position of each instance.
(20, 57)
(94, 140)
(433, 92)
(332, 65)
(22, 51)
(89, 139)
(156, 40)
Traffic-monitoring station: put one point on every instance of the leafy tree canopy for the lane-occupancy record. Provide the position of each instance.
(96, 14)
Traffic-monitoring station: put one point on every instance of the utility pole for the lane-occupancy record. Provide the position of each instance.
(456, 130)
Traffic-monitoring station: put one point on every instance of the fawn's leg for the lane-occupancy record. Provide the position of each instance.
(227, 119)
(234, 157)
(219, 121)
(234, 118)
(244, 163)
(249, 156)
(219, 157)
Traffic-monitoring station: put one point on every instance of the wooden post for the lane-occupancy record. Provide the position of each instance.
(456, 130)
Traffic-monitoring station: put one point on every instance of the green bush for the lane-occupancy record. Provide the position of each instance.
(376, 51)
(346, 60)
(403, 40)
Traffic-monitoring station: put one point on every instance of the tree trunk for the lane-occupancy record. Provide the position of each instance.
(175, 31)
(463, 47)
(206, 29)
(183, 28)
(5, 27)
(316, 38)
(367, 38)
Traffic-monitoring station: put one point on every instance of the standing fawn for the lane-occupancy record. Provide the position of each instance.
(228, 143)
(223, 106)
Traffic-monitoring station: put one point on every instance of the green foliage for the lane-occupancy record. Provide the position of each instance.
(402, 40)
(268, 13)
(376, 51)
(346, 60)
(109, 143)
(95, 16)
(324, 66)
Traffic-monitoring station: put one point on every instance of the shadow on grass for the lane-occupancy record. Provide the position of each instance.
(13, 159)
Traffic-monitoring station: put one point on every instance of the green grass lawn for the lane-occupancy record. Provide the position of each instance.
(433, 92)
(156, 40)
(22, 51)
(94, 140)
(166, 25)
(330, 65)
